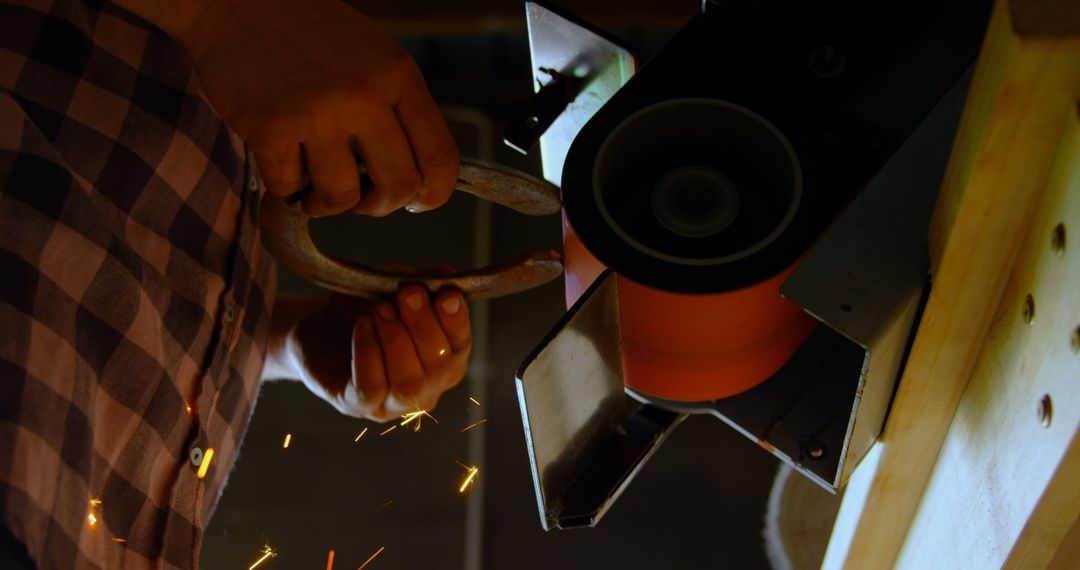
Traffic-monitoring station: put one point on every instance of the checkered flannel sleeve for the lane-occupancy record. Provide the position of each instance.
(134, 290)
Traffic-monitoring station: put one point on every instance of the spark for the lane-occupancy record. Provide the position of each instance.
(392, 428)
(469, 427)
(267, 552)
(368, 561)
(468, 478)
(91, 518)
(288, 438)
(119, 540)
(384, 505)
(205, 465)
(418, 415)
(361, 435)
(473, 400)
(330, 561)
(187, 408)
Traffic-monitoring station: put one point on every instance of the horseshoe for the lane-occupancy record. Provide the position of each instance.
(285, 232)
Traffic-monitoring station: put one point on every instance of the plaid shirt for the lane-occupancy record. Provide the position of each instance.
(134, 290)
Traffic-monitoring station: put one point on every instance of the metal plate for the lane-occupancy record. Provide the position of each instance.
(866, 276)
(560, 44)
(586, 438)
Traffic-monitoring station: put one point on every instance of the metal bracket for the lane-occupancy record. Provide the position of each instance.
(586, 438)
(576, 69)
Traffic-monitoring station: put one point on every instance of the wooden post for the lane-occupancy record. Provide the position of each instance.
(1022, 98)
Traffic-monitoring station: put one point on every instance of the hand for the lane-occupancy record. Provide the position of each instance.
(380, 360)
(313, 82)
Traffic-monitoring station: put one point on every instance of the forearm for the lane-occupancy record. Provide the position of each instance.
(280, 363)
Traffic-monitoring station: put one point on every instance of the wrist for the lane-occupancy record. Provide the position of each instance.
(281, 362)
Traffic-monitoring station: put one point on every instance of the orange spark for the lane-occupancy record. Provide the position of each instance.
(267, 552)
(418, 415)
(473, 400)
(368, 561)
(91, 518)
(205, 465)
(469, 427)
(330, 561)
(288, 438)
(187, 408)
(392, 428)
(119, 540)
(384, 505)
(361, 435)
(469, 478)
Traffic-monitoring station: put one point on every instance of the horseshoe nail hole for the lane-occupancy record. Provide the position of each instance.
(1076, 340)
(1029, 309)
(1046, 410)
(845, 308)
(1057, 239)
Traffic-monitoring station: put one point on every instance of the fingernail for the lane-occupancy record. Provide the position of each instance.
(415, 301)
(451, 305)
(386, 311)
(414, 208)
(395, 403)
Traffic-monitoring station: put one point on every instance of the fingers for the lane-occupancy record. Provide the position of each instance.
(390, 164)
(453, 315)
(369, 372)
(432, 144)
(431, 343)
(405, 374)
(280, 165)
(334, 176)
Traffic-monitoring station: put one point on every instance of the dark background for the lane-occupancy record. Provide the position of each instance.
(700, 501)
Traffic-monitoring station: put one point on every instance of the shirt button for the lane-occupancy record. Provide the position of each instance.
(230, 311)
(196, 456)
(253, 184)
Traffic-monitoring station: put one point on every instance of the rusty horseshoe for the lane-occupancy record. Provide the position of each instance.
(285, 229)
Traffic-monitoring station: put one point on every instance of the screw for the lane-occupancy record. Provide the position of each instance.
(1029, 309)
(827, 62)
(1057, 239)
(532, 121)
(1046, 411)
(816, 451)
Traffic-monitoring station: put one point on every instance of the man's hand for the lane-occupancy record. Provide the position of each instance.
(311, 83)
(376, 360)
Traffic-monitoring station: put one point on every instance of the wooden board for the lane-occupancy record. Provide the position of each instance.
(1021, 410)
(1022, 93)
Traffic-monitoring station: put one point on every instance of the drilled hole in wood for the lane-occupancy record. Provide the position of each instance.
(1046, 410)
(1029, 309)
(1057, 239)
